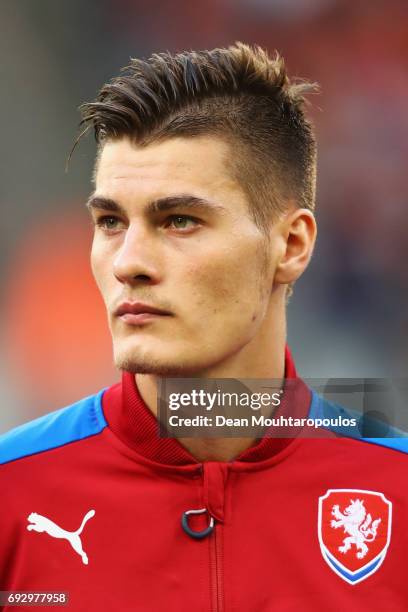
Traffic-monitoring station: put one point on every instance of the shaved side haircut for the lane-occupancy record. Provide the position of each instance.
(239, 94)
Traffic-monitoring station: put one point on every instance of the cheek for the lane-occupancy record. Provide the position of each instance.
(221, 284)
(96, 263)
(100, 265)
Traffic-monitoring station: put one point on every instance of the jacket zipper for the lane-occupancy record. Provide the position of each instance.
(214, 475)
(216, 561)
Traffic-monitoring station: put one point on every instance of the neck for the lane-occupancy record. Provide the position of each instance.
(262, 357)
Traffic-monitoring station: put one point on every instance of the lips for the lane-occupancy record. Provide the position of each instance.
(138, 308)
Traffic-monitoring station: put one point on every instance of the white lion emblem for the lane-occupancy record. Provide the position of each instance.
(358, 524)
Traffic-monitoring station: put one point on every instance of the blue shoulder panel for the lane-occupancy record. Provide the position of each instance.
(390, 437)
(80, 420)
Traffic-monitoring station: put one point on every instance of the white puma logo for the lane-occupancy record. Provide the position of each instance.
(41, 523)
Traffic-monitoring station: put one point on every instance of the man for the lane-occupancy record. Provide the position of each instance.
(203, 215)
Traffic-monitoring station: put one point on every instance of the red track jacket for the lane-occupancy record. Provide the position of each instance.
(92, 504)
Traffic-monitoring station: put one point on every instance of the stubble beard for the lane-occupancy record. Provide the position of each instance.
(160, 370)
(148, 365)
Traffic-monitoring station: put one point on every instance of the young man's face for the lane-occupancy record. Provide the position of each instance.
(172, 231)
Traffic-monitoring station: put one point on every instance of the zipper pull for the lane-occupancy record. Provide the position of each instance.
(197, 535)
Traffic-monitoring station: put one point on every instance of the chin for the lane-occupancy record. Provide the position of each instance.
(147, 363)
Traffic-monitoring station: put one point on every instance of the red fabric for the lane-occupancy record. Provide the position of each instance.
(263, 554)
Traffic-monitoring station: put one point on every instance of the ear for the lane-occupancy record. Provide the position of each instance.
(298, 236)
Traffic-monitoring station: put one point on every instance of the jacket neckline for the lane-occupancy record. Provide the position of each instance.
(135, 425)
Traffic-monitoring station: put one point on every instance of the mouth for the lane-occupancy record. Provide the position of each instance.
(137, 313)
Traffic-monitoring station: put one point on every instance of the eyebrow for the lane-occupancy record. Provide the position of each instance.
(159, 205)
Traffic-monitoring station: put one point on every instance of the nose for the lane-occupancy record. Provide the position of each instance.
(136, 259)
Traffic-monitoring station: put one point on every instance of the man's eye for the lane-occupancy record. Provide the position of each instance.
(107, 223)
(182, 222)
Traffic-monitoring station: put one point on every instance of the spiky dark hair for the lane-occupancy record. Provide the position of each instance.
(238, 93)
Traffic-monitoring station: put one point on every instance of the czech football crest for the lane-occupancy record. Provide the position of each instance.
(354, 531)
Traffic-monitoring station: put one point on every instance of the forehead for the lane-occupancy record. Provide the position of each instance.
(198, 165)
